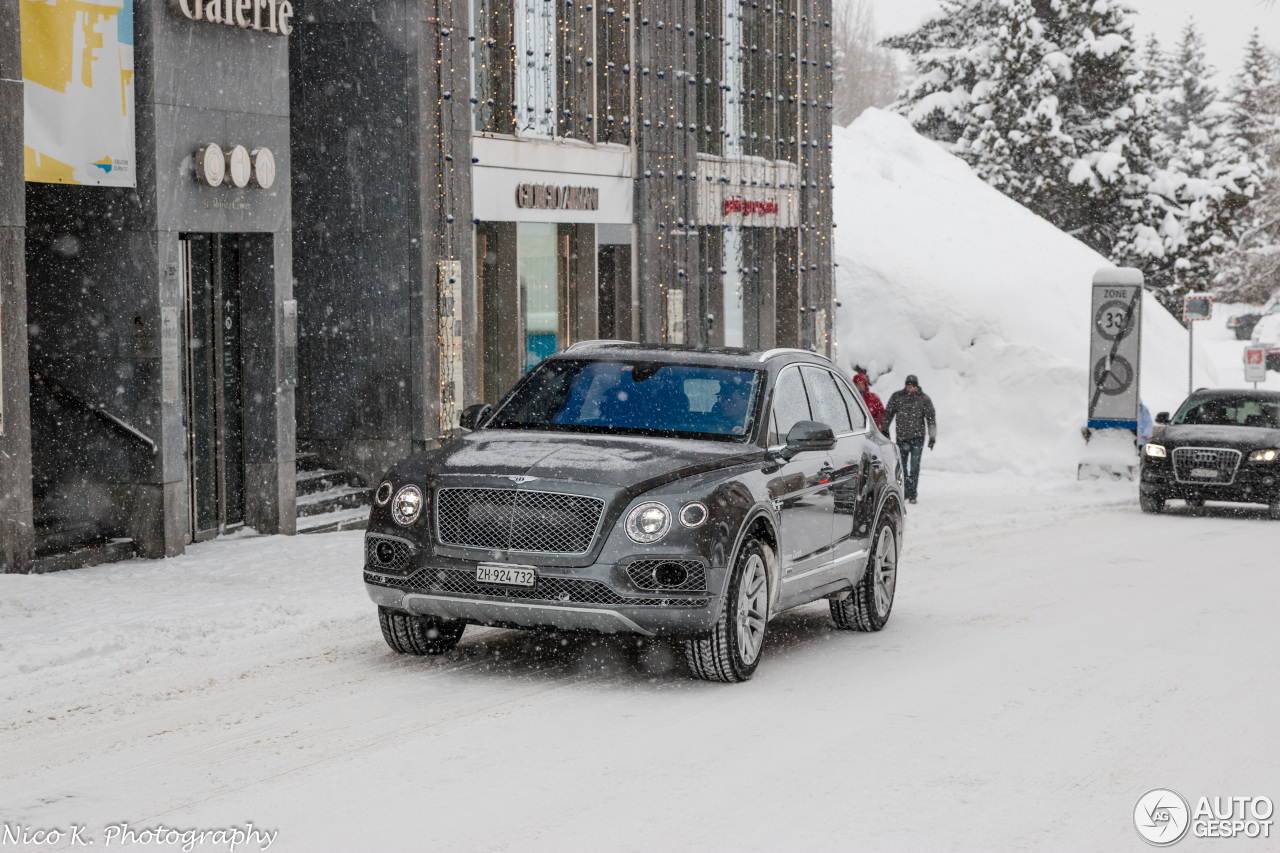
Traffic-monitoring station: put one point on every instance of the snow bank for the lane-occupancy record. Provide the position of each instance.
(942, 276)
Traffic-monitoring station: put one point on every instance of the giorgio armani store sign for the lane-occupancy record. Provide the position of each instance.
(253, 251)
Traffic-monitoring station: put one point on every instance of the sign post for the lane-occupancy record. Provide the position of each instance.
(1115, 362)
(1115, 349)
(1255, 365)
(1198, 306)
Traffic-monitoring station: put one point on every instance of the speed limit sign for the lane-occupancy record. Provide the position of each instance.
(1115, 349)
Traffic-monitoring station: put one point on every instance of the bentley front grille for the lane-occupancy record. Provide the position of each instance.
(1207, 466)
(549, 590)
(516, 520)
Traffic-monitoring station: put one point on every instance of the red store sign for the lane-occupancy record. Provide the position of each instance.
(749, 208)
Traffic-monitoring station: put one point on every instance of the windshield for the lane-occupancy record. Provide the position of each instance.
(637, 397)
(1230, 411)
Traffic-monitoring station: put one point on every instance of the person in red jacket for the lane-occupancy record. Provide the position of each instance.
(874, 406)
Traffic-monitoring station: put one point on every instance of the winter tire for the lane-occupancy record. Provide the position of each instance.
(868, 607)
(731, 650)
(419, 635)
(1275, 510)
(1151, 504)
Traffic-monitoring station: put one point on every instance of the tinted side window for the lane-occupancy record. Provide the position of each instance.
(828, 405)
(856, 413)
(790, 406)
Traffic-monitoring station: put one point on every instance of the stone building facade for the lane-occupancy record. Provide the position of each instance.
(461, 188)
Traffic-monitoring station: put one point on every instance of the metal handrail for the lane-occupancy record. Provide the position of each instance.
(95, 408)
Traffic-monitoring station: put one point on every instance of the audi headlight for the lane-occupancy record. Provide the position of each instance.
(1268, 455)
(407, 505)
(1155, 451)
(648, 522)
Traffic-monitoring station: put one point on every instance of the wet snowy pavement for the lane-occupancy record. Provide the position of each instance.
(1053, 655)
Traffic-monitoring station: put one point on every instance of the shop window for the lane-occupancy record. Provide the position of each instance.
(539, 272)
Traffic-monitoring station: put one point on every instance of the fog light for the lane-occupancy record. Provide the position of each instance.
(385, 552)
(670, 575)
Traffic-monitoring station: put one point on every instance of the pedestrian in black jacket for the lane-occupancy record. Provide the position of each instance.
(912, 410)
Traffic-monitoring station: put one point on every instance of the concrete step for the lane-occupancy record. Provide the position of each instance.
(330, 500)
(307, 461)
(94, 554)
(356, 518)
(323, 479)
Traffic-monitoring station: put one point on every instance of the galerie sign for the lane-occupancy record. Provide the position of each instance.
(245, 14)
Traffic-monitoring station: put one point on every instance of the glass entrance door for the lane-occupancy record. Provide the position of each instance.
(541, 290)
(214, 382)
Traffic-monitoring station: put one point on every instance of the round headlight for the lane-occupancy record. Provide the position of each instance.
(407, 505)
(383, 495)
(693, 514)
(648, 522)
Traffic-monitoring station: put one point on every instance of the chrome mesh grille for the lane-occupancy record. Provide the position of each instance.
(641, 574)
(517, 520)
(551, 590)
(1221, 461)
(387, 553)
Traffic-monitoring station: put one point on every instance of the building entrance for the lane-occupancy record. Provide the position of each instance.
(214, 383)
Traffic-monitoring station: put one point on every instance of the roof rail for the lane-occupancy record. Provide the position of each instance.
(774, 353)
(600, 343)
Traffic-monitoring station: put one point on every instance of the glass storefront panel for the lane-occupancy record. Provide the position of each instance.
(539, 274)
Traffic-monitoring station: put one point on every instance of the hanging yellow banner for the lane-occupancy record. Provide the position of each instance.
(77, 75)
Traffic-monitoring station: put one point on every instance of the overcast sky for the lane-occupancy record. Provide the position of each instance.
(1226, 24)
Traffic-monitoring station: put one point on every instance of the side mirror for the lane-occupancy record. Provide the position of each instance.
(473, 417)
(808, 435)
(1163, 419)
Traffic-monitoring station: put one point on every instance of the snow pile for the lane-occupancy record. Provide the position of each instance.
(942, 276)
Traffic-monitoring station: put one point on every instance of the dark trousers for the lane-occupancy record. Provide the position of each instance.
(911, 449)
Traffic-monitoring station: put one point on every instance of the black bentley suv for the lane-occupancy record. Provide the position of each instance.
(1220, 446)
(658, 491)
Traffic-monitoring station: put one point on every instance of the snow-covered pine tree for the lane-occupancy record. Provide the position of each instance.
(1207, 180)
(1251, 271)
(949, 54)
(1014, 138)
(1074, 141)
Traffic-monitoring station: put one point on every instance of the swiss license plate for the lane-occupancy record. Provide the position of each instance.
(505, 575)
(1204, 473)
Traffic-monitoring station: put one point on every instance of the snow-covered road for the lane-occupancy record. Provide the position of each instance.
(1053, 655)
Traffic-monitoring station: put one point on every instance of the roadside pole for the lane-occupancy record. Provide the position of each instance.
(1197, 307)
(1255, 365)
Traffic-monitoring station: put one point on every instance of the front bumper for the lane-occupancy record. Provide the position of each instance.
(599, 598)
(508, 613)
(1252, 484)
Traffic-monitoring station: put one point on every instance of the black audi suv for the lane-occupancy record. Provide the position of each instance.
(620, 488)
(1219, 446)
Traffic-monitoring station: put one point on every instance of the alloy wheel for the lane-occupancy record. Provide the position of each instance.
(886, 570)
(753, 597)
